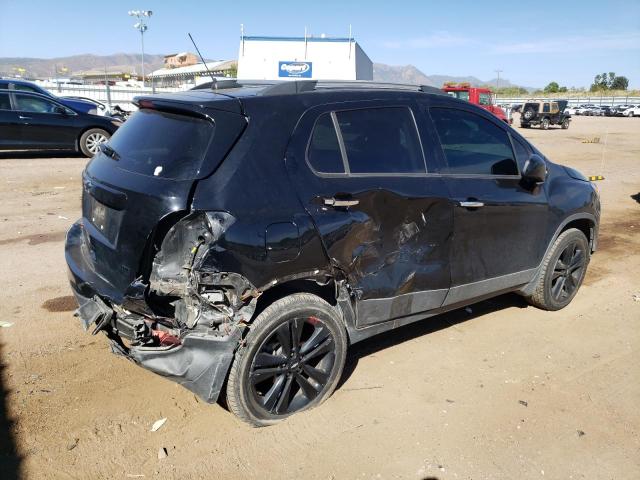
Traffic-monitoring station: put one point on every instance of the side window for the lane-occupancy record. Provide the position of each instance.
(323, 152)
(545, 108)
(522, 152)
(381, 140)
(472, 144)
(24, 88)
(484, 99)
(5, 104)
(28, 103)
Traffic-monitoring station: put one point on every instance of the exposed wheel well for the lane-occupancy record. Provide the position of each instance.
(584, 225)
(327, 292)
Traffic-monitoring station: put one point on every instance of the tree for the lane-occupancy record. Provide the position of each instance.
(599, 83)
(553, 87)
(620, 83)
(609, 82)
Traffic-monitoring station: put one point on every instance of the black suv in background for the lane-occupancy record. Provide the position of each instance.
(238, 239)
(31, 121)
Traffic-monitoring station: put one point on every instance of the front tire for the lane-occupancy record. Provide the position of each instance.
(291, 360)
(563, 271)
(91, 139)
(565, 124)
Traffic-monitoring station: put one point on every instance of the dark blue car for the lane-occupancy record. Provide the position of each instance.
(76, 104)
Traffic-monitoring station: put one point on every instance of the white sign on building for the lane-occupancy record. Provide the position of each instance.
(290, 58)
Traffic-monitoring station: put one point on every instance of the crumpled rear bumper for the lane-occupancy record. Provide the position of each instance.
(199, 363)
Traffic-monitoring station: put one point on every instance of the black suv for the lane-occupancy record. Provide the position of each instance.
(545, 113)
(239, 239)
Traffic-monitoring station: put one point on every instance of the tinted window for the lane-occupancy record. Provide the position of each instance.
(545, 108)
(472, 144)
(5, 104)
(28, 103)
(381, 140)
(324, 150)
(522, 152)
(24, 88)
(162, 144)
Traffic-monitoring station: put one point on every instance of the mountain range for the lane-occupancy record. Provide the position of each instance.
(129, 62)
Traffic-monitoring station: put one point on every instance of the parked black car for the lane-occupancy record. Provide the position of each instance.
(77, 104)
(30, 121)
(242, 238)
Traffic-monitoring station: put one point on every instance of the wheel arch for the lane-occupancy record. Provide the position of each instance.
(326, 291)
(583, 221)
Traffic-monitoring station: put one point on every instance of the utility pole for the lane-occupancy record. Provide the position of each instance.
(498, 72)
(141, 27)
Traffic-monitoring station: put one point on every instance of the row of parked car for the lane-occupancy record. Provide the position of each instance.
(604, 110)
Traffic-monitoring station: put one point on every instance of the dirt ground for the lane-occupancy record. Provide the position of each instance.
(506, 391)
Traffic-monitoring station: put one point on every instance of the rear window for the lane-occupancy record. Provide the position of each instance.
(161, 144)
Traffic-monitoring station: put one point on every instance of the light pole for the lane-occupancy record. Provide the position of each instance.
(141, 27)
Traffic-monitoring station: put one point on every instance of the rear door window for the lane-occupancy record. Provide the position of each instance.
(381, 141)
(324, 149)
(162, 144)
(472, 144)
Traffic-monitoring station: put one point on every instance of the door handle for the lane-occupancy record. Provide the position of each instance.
(333, 202)
(21, 117)
(471, 204)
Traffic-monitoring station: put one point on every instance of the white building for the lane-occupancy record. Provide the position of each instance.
(321, 58)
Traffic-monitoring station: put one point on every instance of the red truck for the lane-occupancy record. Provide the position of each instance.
(480, 96)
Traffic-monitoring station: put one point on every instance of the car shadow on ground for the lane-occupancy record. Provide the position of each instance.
(423, 327)
(636, 197)
(33, 154)
(10, 459)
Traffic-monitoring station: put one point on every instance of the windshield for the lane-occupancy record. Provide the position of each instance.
(161, 144)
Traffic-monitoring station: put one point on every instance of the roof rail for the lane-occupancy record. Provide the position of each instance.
(291, 87)
(368, 84)
(299, 86)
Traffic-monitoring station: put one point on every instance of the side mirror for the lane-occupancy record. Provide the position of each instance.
(60, 110)
(535, 169)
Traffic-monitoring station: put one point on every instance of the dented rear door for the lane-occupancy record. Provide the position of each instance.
(360, 171)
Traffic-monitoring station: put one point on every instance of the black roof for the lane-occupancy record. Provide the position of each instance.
(235, 92)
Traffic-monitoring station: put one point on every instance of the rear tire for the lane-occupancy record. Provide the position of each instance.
(291, 360)
(91, 139)
(544, 125)
(563, 271)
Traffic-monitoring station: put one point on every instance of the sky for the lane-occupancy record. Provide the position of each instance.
(533, 43)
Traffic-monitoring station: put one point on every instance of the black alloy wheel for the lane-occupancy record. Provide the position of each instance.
(292, 365)
(292, 360)
(562, 272)
(568, 272)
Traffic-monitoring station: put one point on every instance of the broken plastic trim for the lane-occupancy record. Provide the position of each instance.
(203, 296)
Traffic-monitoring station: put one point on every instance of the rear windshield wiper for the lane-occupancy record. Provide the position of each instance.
(108, 151)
